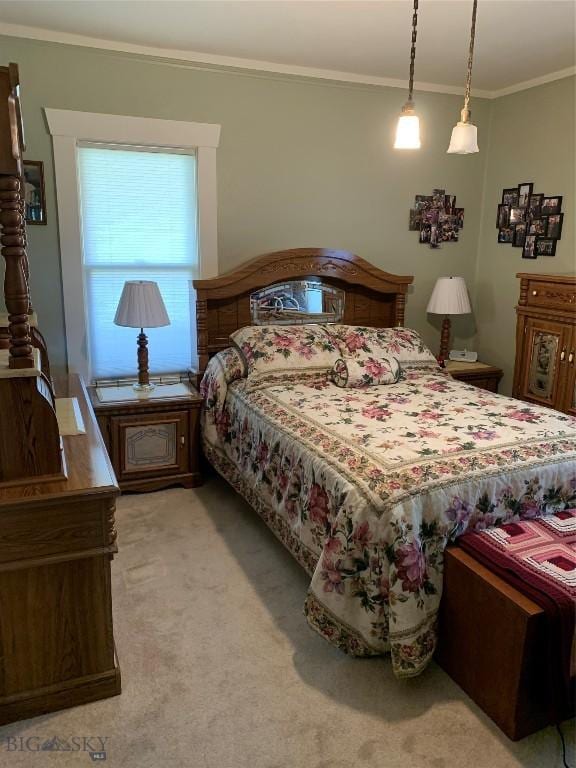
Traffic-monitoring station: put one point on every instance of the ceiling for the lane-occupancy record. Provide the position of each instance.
(517, 41)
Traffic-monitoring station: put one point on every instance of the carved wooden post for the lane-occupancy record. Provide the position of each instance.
(25, 264)
(143, 375)
(16, 293)
(202, 331)
(399, 309)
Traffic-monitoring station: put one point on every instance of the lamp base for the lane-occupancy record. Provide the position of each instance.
(143, 376)
(444, 341)
(143, 387)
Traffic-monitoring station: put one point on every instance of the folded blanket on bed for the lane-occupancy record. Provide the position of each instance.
(365, 371)
(538, 558)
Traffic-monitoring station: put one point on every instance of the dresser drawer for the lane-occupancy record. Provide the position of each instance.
(552, 295)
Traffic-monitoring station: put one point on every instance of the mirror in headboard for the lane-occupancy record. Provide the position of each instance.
(338, 283)
(297, 301)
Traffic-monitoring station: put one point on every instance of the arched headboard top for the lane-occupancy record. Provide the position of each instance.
(373, 297)
(298, 262)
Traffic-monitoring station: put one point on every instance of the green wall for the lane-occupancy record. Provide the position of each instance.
(301, 163)
(532, 138)
(307, 162)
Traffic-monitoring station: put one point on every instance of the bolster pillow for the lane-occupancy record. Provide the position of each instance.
(365, 371)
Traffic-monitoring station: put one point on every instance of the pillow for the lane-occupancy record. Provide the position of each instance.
(365, 371)
(274, 349)
(404, 344)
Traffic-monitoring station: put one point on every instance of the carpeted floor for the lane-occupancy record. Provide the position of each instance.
(220, 669)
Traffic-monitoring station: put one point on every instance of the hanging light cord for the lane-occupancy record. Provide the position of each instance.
(469, 72)
(413, 50)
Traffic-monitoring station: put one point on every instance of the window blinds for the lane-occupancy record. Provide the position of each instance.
(139, 221)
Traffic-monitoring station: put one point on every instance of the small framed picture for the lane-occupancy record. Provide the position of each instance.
(551, 205)
(529, 250)
(517, 214)
(510, 197)
(506, 235)
(539, 226)
(422, 202)
(545, 246)
(519, 235)
(434, 235)
(415, 220)
(524, 192)
(438, 197)
(431, 216)
(554, 229)
(34, 196)
(424, 233)
(503, 218)
(448, 229)
(535, 205)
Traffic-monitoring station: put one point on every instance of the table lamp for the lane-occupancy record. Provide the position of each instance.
(449, 297)
(141, 306)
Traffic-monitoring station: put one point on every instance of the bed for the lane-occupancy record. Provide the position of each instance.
(364, 486)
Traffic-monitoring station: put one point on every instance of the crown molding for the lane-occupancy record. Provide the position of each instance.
(196, 58)
(526, 84)
(229, 62)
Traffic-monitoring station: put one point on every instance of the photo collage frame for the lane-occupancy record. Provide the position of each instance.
(530, 220)
(436, 218)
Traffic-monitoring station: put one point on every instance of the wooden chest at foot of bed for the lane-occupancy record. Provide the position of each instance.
(492, 642)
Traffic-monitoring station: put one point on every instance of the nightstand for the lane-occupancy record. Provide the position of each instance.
(478, 374)
(153, 441)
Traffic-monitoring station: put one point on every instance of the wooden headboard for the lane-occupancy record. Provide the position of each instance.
(372, 297)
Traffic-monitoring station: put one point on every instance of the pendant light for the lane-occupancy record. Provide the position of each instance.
(464, 140)
(408, 128)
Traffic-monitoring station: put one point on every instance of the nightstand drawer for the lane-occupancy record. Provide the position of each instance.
(153, 444)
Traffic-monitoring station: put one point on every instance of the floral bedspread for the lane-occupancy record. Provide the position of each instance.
(366, 487)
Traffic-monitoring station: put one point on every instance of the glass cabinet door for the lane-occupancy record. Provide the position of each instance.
(545, 353)
(570, 375)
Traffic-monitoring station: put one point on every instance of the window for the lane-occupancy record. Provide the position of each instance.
(132, 221)
(138, 211)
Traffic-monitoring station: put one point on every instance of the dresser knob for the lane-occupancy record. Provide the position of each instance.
(534, 293)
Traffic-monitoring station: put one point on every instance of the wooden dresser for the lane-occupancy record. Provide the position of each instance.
(57, 540)
(545, 367)
(57, 492)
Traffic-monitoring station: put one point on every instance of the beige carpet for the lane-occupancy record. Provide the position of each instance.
(220, 669)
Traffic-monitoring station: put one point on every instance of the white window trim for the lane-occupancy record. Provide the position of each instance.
(69, 129)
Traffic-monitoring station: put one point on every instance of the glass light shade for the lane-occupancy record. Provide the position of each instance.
(408, 131)
(464, 139)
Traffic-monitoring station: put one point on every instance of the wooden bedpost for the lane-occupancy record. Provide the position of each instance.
(12, 221)
(399, 308)
(202, 331)
(16, 292)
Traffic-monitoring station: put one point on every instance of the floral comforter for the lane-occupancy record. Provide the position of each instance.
(367, 487)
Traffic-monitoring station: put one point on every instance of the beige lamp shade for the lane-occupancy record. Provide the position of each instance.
(141, 305)
(450, 297)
